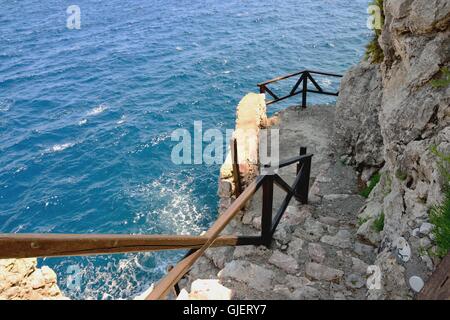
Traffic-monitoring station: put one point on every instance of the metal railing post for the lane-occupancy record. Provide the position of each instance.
(302, 190)
(266, 215)
(305, 89)
(262, 89)
(236, 171)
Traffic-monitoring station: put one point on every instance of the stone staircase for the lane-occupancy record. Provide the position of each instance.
(315, 253)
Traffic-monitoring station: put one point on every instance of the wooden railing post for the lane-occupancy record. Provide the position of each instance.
(266, 214)
(302, 190)
(305, 89)
(236, 171)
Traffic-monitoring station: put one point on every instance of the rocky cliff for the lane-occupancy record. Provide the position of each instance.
(20, 279)
(388, 118)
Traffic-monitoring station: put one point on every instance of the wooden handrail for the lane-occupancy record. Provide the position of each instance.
(60, 245)
(173, 277)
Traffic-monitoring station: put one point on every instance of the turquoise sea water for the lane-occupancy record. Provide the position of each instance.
(86, 115)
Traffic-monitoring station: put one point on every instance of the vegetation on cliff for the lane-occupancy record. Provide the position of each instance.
(440, 214)
(372, 184)
(444, 81)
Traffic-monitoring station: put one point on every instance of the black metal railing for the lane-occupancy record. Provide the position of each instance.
(300, 87)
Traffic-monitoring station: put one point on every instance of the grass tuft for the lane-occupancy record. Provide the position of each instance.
(372, 184)
(444, 81)
(361, 221)
(378, 223)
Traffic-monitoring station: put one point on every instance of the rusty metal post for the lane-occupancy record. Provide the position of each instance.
(262, 89)
(236, 171)
(266, 215)
(305, 89)
(304, 169)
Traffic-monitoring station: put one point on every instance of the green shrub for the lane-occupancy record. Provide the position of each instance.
(444, 81)
(372, 184)
(440, 217)
(440, 214)
(378, 223)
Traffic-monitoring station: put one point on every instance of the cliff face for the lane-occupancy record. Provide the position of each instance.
(389, 116)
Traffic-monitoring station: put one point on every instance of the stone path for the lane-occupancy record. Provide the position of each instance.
(315, 253)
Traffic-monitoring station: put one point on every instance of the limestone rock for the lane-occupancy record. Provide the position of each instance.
(362, 249)
(316, 252)
(295, 216)
(416, 283)
(426, 228)
(359, 266)
(322, 272)
(284, 262)
(306, 293)
(246, 251)
(294, 282)
(21, 279)
(295, 248)
(219, 256)
(393, 285)
(354, 281)
(283, 234)
(251, 274)
(357, 128)
(367, 232)
(282, 291)
(342, 239)
(312, 230)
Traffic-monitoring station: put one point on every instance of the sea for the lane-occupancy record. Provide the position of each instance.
(87, 113)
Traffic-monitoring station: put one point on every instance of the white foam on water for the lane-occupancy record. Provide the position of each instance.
(325, 83)
(82, 122)
(177, 211)
(122, 120)
(97, 110)
(5, 105)
(21, 168)
(60, 147)
(160, 138)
